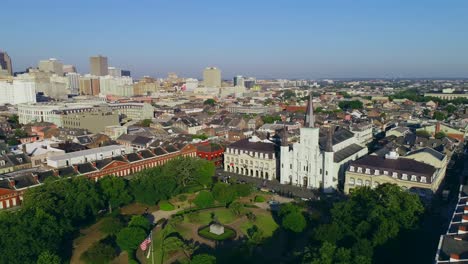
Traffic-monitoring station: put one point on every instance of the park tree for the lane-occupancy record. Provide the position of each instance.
(255, 234)
(99, 252)
(203, 259)
(224, 193)
(450, 108)
(141, 222)
(47, 257)
(210, 102)
(146, 122)
(269, 119)
(130, 237)
(440, 116)
(423, 133)
(114, 190)
(243, 190)
(294, 221)
(172, 243)
(204, 199)
(236, 208)
(353, 104)
(111, 225)
(440, 135)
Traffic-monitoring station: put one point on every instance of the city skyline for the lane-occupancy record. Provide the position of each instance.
(302, 39)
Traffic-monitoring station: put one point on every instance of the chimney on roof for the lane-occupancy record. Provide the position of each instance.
(75, 168)
(437, 127)
(465, 210)
(94, 164)
(56, 173)
(12, 183)
(462, 230)
(454, 257)
(465, 219)
(36, 177)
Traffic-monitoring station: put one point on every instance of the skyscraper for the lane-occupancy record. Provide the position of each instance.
(239, 80)
(98, 65)
(212, 77)
(51, 65)
(5, 62)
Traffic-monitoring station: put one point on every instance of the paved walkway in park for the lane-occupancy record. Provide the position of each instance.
(160, 214)
(282, 189)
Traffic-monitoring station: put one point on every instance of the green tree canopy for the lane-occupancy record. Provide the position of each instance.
(439, 116)
(269, 119)
(111, 225)
(210, 102)
(203, 259)
(146, 122)
(48, 258)
(129, 238)
(204, 199)
(224, 193)
(353, 104)
(294, 221)
(114, 190)
(141, 222)
(423, 133)
(450, 108)
(98, 253)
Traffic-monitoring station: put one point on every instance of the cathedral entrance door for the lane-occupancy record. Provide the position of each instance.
(305, 182)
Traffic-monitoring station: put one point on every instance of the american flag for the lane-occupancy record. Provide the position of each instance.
(145, 243)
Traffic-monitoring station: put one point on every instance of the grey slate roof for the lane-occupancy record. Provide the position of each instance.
(346, 152)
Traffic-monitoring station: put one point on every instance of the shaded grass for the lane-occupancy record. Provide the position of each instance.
(166, 206)
(264, 222)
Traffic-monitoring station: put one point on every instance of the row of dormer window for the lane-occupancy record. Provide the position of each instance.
(404, 176)
(251, 153)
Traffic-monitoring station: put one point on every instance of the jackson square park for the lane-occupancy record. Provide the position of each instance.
(181, 213)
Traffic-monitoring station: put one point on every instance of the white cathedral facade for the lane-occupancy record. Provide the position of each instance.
(319, 159)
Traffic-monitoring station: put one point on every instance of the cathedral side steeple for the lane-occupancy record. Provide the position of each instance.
(310, 118)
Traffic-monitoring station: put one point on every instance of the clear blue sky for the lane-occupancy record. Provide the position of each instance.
(267, 39)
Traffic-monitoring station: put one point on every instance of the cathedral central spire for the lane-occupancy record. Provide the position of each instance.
(310, 118)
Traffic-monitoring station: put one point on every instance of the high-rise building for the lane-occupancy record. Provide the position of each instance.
(89, 85)
(145, 86)
(212, 77)
(126, 73)
(68, 68)
(17, 92)
(114, 72)
(239, 80)
(51, 66)
(98, 65)
(73, 82)
(5, 62)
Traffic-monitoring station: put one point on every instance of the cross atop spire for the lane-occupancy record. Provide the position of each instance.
(310, 118)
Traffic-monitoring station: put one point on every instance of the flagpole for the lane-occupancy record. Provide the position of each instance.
(152, 248)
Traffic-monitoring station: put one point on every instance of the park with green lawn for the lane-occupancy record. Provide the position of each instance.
(191, 218)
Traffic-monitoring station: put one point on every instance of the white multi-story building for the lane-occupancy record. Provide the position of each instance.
(319, 160)
(252, 157)
(73, 83)
(88, 155)
(50, 112)
(191, 84)
(114, 72)
(17, 92)
(120, 86)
